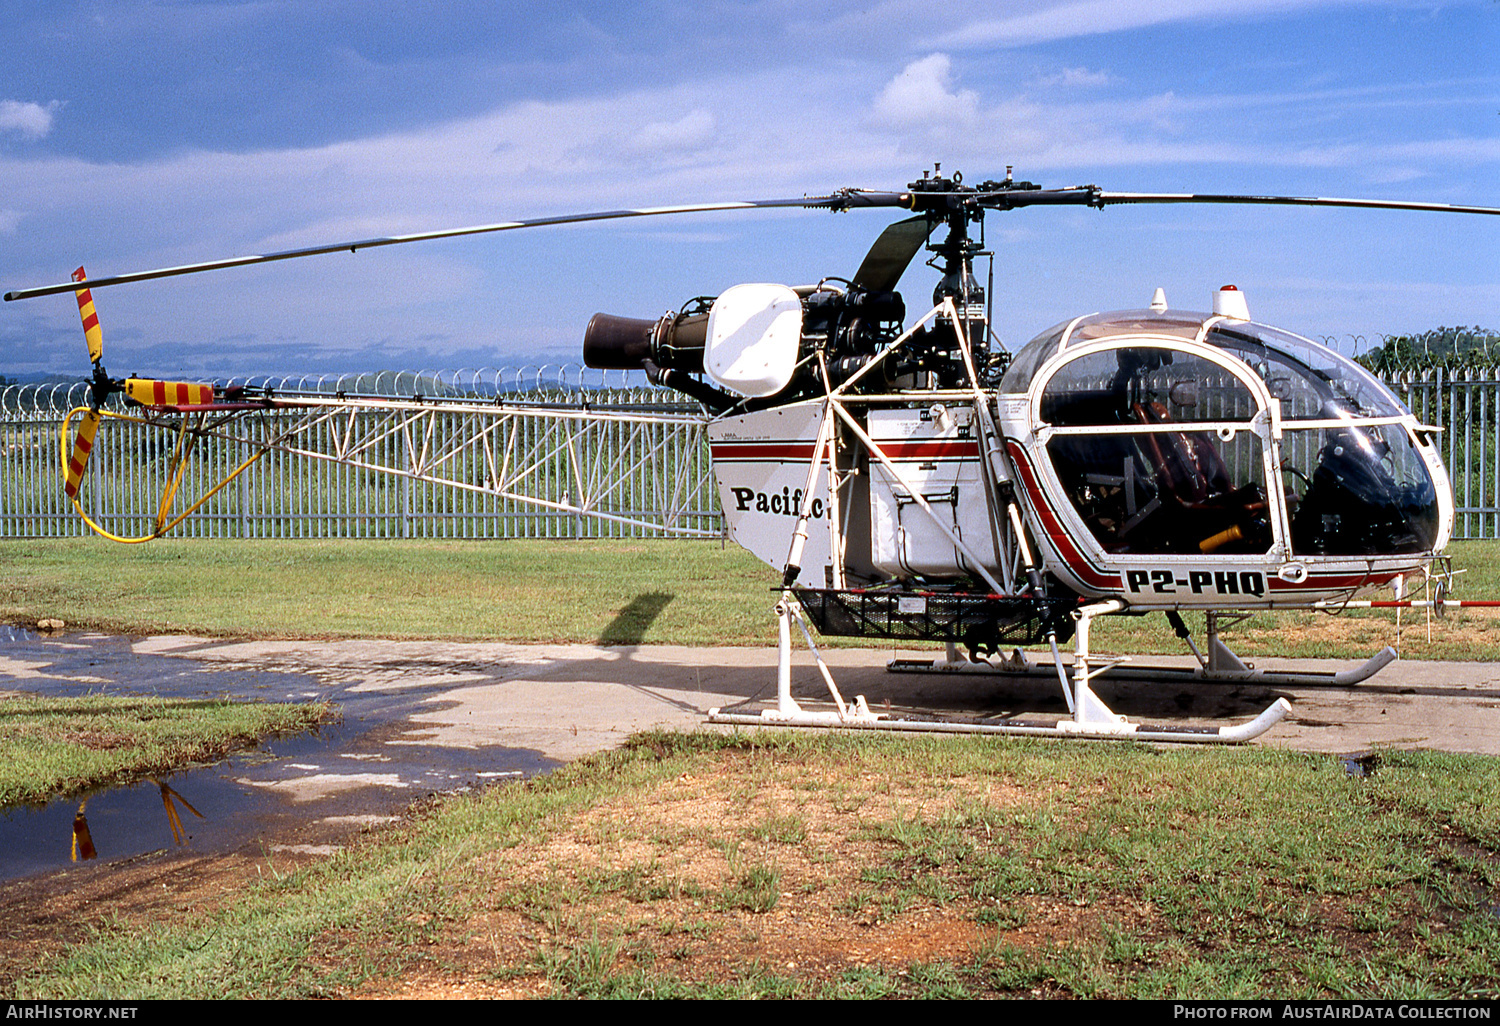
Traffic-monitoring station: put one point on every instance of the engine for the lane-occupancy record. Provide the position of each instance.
(760, 345)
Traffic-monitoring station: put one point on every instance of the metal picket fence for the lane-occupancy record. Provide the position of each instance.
(452, 469)
(1465, 402)
(645, 477)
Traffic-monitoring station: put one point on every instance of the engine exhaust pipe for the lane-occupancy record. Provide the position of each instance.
(674, 342)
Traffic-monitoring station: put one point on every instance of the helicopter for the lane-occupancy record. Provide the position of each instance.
(914, 481)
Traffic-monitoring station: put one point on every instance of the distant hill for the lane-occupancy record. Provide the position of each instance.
(40, 378)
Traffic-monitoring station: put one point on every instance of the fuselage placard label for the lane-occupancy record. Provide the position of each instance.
(1196, 582)
(787, 502)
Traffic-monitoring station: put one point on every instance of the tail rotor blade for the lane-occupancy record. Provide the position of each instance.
(168, 393)
(83, 842)
(92, 333)
(83, 445)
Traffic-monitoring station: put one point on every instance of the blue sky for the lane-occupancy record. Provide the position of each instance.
(142, 134)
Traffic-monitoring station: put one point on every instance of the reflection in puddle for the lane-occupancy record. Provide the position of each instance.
(109, 825)
(124, 822)
(171, 799)
(83, 840)
(1360, 764)
(243, 801)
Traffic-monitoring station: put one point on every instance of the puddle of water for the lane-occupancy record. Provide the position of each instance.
(114, 824)
(1360, 764)
(246, 801)
(350, 769)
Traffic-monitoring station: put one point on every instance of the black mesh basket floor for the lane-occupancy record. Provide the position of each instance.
(974, 619)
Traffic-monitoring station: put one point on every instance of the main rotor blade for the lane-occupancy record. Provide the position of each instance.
(835, 201)
(892, 253)
(1003, 198)
(1109, 198)
(1093, 196)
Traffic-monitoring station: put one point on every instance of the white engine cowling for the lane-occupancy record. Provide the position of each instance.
(753, 335)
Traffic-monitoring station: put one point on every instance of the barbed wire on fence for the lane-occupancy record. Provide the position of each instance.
(495, 383)
(1448, 348)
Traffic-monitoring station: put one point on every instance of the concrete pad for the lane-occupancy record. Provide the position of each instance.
(569, 700)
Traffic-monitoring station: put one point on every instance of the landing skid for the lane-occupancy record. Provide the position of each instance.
(1017, 665)
(1219, 666)
(1091, 718)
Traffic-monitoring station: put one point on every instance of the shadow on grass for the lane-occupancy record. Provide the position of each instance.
(630, 625)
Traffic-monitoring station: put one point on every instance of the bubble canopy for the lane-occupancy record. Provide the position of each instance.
(1319, 371)
(1184, 433)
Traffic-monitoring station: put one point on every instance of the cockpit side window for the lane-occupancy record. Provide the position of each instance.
(1154, 449)
(1104, 387)
(1352, 488)
(1030, 359)
(1358, 490)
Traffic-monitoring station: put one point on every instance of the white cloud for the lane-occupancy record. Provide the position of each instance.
(731, 136)
(1069, 77)
(692, 131)
(1074, 18)
(923, 94)
(29, 120)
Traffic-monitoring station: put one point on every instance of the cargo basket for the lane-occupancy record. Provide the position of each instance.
(977, 620)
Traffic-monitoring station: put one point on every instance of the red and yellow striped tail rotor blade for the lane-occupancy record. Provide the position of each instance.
(83, 444)
(92, 333)
(168, 393)
(83, 842)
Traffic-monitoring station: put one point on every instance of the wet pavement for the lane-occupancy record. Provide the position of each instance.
(361, 770)
(428, 717)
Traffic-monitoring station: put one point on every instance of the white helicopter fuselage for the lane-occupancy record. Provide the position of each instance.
(1167, 460)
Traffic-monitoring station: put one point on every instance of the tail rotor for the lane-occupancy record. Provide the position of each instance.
(170, 395)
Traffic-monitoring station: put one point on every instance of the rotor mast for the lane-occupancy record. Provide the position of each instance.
(957, 206)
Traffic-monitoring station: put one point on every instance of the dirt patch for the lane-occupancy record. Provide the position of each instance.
(748, 871)
(42, 917)
(722, 877)
(718, 875)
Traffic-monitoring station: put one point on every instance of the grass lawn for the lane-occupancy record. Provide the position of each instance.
(787, 865)
(690, 593)
(857, 866)
(650, 591)
(51, 747)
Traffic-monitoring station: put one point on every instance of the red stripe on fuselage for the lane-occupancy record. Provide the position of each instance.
(1061, 540)
(929, 449)
(762, 450)
(1339, 581)
(938, 449)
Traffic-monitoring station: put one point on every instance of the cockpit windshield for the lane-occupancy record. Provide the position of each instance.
(1353, 488)
(1312, 382)
(1161, 448)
